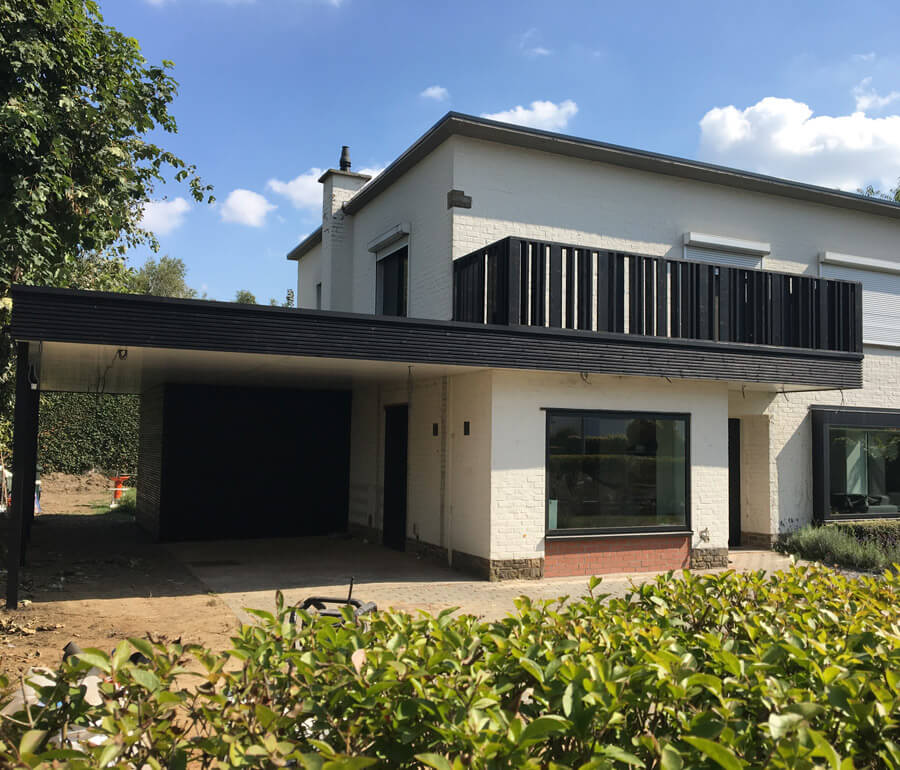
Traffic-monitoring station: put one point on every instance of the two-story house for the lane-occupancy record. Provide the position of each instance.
(721, 396)
(522, 353)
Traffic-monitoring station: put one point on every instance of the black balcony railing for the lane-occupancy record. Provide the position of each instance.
(535, 283)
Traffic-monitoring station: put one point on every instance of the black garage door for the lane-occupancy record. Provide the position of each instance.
(253, 462)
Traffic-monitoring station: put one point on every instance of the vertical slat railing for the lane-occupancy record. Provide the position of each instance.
(519, 281)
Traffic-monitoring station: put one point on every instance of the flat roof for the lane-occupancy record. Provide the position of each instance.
(42, 315)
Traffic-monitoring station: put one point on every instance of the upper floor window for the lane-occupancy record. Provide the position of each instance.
(881, 293)
(393, 283)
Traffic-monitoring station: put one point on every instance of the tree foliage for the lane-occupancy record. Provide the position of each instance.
(890, 195)
(165, 278)
(245, 297)
(78, 104)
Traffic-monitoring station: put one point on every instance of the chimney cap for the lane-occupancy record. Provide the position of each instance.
(345, 158)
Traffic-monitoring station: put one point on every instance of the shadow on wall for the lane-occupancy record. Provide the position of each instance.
(793, 465)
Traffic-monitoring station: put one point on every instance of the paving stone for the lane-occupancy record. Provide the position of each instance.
(247, 573)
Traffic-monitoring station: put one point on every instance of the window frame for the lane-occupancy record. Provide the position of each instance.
(380, 282)
(587, 532)
(823, 419)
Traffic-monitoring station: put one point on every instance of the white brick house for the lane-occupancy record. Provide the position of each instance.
(521, 353)
(482, 497)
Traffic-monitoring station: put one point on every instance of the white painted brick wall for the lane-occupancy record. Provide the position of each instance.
(538, 195)
(470, 474)
(309, 273)
(755, 482)
(518, 449)
(790, 448)
(550, 197)
(420, 199)
(468, 466)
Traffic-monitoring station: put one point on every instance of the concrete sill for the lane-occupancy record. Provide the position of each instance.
(606, 535)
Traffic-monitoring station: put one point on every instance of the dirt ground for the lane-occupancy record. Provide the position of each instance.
(93, 579)
(63, 493)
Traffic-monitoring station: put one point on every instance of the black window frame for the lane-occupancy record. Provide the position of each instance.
(566, 534)
(823, 419)
(400, 254)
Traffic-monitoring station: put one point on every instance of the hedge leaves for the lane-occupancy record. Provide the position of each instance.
(795, 670)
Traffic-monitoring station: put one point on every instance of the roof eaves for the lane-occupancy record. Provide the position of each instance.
(454, 123)
(307, 244)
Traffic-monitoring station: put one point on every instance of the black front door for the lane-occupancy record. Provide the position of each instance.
(395, 452)
(734, 483)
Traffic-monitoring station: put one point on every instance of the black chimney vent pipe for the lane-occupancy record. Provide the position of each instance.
(345, 158)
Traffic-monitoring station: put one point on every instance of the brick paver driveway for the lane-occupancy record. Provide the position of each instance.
(246, 573)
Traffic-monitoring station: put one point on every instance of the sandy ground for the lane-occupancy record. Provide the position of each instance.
(62, 493)
(91, 578)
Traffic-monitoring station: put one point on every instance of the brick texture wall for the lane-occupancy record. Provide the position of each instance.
(616, 554)
(518, 448)
(790, 449)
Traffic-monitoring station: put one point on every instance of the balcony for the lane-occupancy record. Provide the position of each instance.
(519, 282)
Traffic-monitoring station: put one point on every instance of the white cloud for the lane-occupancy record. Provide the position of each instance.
(246, 207)
(162, 217)
(781, 137)
(438, 93)
(304, 190)
(529, 47)
(547, 115)
(870, 56)
(867, 98)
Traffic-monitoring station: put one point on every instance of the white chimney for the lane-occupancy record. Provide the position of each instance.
(339, 185)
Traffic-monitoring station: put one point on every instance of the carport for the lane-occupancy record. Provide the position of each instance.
(220, 382)
(261, 421)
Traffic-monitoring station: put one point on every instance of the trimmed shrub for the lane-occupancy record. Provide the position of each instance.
(792, 670)
(873, 546)
(885, 532)
(81, 431)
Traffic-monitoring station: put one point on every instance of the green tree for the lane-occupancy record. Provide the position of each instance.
(288, 300)
(890, 195)
(165, 278)
(245, 297)
(78, 102)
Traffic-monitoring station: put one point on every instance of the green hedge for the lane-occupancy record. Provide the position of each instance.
(865, 545)
(885, 532)
(794, 670)
(80, 431)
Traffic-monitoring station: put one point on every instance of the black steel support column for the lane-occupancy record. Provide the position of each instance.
(24, 455)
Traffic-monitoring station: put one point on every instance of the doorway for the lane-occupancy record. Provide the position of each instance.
(734, 483)
(396, 433)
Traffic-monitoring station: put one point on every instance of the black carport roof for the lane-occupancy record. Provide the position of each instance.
(42, 315)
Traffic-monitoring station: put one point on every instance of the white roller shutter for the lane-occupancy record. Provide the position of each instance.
(881, 302)
(718, 257)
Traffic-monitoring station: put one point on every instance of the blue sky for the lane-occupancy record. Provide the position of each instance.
(270, 90)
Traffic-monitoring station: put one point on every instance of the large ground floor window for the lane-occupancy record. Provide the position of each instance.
(617, 471)
(856, 463)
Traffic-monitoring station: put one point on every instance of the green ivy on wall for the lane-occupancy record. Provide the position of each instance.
(81, 431)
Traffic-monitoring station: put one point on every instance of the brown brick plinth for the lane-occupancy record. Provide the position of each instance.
(634, 553)
(709, 558)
